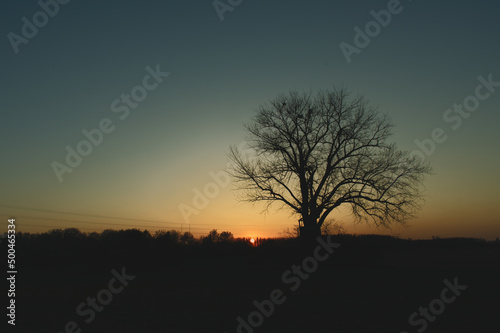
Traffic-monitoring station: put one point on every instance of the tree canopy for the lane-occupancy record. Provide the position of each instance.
(315, 152)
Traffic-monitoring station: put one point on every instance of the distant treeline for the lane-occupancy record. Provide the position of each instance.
(72, 249)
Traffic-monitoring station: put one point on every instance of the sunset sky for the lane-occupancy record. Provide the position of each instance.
(71, 76)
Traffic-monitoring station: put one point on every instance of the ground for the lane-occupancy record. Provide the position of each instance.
(355, 290)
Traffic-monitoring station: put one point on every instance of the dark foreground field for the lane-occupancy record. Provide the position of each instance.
(368, 284)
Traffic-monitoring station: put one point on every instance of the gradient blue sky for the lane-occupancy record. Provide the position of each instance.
(66, 77)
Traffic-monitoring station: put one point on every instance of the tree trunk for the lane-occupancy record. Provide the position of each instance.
(311, 230)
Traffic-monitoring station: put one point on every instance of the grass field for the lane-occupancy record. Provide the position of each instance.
(357, 289)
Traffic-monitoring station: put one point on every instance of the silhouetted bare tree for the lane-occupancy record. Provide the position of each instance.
(226, 236)
(314, 153)
(332, 227)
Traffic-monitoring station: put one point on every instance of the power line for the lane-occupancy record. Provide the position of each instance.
(106, 223)
(82, 214)
(208, 227)
(50, 227)
(123, 218)
(87, 222)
